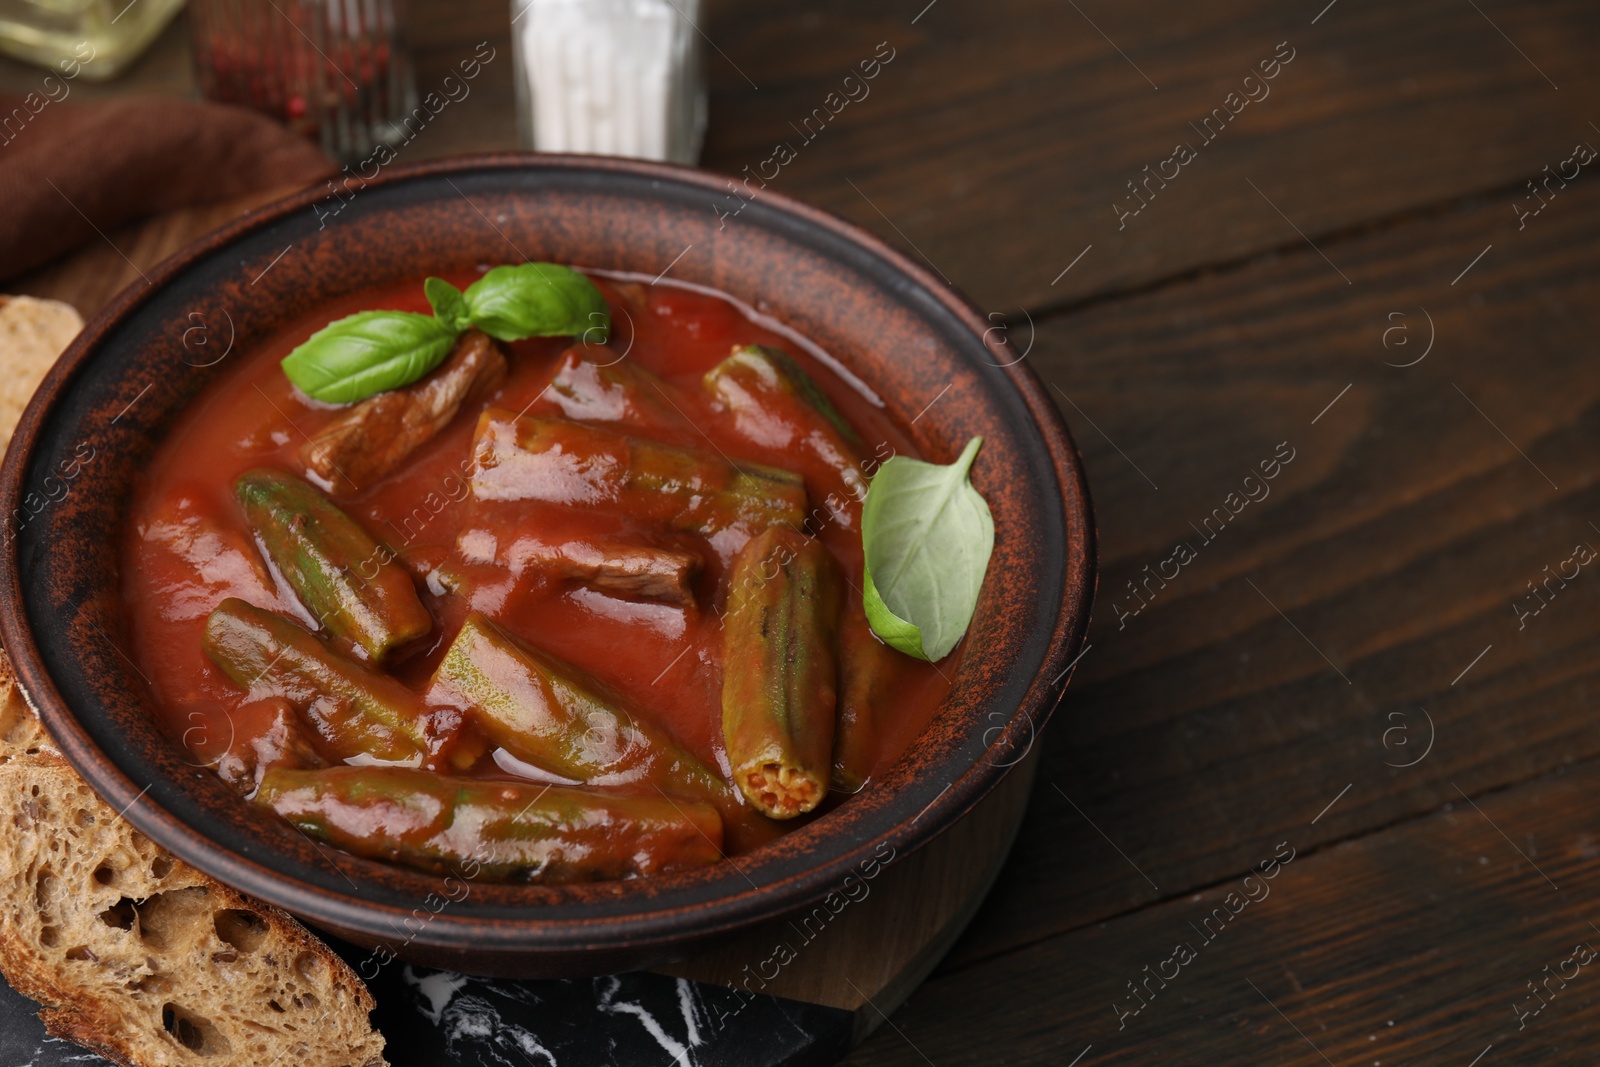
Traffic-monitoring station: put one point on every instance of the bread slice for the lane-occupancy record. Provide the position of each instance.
(139, 957)
(21, 732)
(33, 333)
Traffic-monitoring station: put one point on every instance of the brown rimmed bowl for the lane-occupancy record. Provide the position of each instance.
(67, 480)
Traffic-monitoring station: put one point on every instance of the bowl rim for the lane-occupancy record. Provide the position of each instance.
(646, 928)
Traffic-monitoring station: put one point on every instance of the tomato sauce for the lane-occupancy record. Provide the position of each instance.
(187, 547)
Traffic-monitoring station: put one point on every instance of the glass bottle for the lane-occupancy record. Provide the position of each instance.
(338, 71)
(94, 39)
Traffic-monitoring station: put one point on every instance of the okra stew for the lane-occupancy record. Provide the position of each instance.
(571, 595)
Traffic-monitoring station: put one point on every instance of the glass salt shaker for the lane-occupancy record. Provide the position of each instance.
(613, 77)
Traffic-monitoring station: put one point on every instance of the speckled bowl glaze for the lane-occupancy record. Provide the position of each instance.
(68, 476)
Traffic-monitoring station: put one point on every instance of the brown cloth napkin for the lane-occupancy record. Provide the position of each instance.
(67, 170)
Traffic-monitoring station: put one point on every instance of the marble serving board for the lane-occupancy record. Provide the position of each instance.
(439, 1019)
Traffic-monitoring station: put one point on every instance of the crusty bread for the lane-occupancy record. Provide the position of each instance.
(21, 732)
(140, 957)
(32, 334)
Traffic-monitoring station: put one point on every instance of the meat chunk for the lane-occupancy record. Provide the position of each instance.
(372, 438)
(636, 571)
(620, 392)
(275, 736)
(618, 567)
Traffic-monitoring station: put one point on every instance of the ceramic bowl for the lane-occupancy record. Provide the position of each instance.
(922, 348)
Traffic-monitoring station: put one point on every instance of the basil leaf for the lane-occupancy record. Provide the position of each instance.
(538, 300)
(449, 306)
(895, 631)
(367, 353)
(927, 535)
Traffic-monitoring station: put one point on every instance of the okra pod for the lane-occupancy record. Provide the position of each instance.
(349, 584)
(367, 441)
(561, 462)
(358, 712)
(552, 715)
(867, 672)
(499, 831)
(779, 671)
(617, 392)
(774, 403)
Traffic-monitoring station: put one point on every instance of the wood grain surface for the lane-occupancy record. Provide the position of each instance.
(997, 140)
(1376, 660)
(91, 277)
(1411, 946)
(1394, 545)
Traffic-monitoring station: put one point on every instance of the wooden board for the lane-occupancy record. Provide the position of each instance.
(1395, 543)
(870, 955)
(87, 279)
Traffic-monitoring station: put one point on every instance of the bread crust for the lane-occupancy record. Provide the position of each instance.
(141, 958)
(21, 732)
(33, 333)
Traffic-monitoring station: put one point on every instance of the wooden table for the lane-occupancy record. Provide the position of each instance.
(1370, 662)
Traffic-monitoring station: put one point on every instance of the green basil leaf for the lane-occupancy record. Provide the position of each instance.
(895, 631)
(449, 306)
(538, 300)
(367, 353)
(927, 536)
